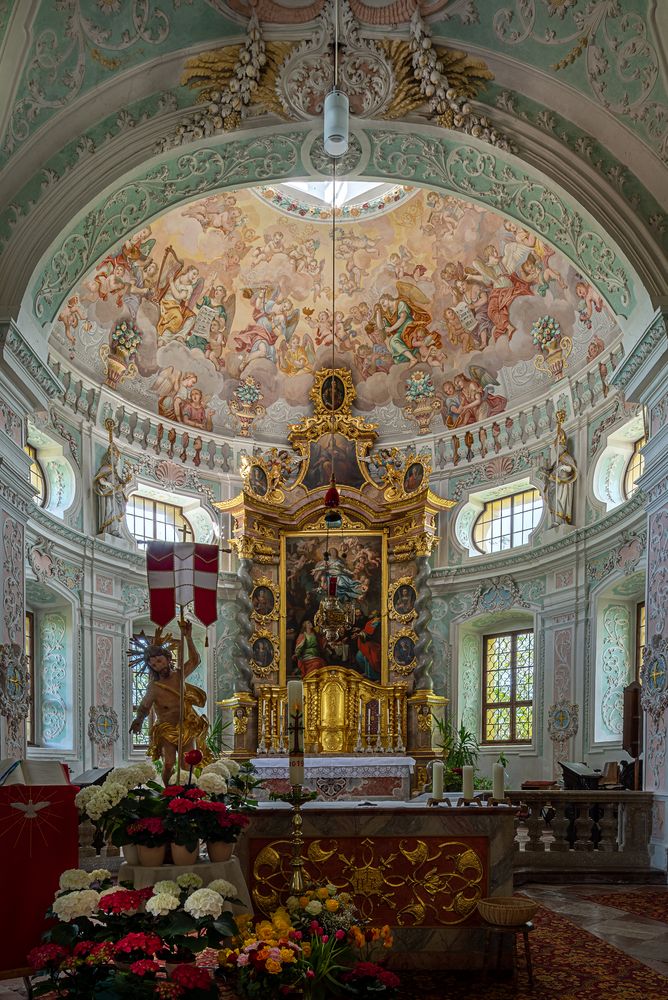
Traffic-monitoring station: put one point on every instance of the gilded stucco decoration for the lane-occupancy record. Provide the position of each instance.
(385, 78)
(421, 882)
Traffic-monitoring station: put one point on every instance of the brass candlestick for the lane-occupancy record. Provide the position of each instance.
(297, 798)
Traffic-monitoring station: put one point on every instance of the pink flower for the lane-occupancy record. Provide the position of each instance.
(340, 935)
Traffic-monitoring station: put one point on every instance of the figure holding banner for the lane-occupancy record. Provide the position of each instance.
(163, 696)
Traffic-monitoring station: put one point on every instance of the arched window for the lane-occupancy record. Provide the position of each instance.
(37, 477)
(507, 522)
(635, 467)
(148, 520)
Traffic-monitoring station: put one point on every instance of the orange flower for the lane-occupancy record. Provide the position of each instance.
(306, 949)
(272, 966)
(322, 894)
(332, 905)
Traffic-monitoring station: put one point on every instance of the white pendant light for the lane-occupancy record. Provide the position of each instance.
(336, 110)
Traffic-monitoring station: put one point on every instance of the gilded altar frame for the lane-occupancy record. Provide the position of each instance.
(314, 532)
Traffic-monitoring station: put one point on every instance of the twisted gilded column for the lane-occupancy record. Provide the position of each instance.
(245, 628)
(423, 646)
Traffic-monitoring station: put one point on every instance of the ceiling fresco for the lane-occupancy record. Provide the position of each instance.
(217, 315)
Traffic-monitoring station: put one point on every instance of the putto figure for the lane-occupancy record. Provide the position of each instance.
(163, 697)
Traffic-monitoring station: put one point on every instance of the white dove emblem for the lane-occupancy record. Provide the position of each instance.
(30, 808)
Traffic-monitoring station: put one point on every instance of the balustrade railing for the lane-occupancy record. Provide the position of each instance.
(582, 829)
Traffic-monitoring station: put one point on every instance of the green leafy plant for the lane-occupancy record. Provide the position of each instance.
(459, 747)
(216, 738)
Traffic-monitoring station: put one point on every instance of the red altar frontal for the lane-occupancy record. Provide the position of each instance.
(421, 870)
(39, 839)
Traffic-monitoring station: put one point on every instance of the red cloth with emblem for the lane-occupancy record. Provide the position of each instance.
(181, 573)
(39, 839)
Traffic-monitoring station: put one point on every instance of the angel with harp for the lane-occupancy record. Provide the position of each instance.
(179, 287)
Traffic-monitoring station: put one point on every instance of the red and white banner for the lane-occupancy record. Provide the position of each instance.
(181, 573)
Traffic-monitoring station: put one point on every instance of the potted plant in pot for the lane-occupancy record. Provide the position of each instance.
(190, 917)
(151, 836)
(459, 747)
(183, 821)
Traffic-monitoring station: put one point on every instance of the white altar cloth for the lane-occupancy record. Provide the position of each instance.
(355, 776)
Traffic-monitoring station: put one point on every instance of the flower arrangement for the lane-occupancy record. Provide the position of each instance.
(148, 832)
(127, 794)
(544, 331)
(315, 945)
(109, 942)
(125, 338)
(248, 391)
(419, 386)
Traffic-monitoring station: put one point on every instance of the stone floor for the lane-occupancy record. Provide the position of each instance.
(643, 939)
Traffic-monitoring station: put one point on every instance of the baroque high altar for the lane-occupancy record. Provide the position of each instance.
(367, 688)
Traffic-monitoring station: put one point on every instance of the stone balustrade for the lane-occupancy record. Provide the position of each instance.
(582, 829)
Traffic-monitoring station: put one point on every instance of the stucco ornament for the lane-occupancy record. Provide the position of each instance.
(14, 693)
(563, 720)
(497, 594)
(654, 674)
(103, 727)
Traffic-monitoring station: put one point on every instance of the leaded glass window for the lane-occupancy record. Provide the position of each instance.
(635, 468)
(37, 477)
(149, 520)
(140, 682)
(508, 680)
(508, 521)
(641, 636)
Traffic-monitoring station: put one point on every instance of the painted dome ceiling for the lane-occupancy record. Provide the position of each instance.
(227, 301)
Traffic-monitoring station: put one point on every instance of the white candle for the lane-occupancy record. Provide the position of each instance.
(437, 779)
(498, 782)
(296, 732)
(467, 781)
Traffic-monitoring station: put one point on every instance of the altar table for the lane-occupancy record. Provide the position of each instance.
(358, 776)
(420, 869)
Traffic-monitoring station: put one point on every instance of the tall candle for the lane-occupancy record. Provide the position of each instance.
(437, 779)
(467, 781)
(498, 781)
(296, 732)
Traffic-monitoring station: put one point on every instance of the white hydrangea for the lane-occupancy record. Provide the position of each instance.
(167, 886)
(145, 772)
(314, 907)
(124, 776)
(189, 881)
(100, 875)
(223, 888)
(75, 878)
(114, 793)
(204, 903)
(233, 766)
(161, 904)
(212, 784)
(217, 768)
(84, 796)
(76, 904)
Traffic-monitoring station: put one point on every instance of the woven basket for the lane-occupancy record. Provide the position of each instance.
(507, 911)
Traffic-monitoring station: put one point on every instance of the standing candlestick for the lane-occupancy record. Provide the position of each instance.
(399, 746)
(437, 779)
(467, 782)
(296, 732)
(262, 745)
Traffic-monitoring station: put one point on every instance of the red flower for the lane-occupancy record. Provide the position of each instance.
(152, 824)
(171, 790)
(191, 977)
(193, 757)
(47, 955)
(181, 806)
(389, 979)
(194, 793)
(123, 900)
(148, 944)
(218, 807)
(145, 967)
(101, 954)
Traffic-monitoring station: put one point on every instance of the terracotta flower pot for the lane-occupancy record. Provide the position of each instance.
(151, 857)
(182, 856)
(130, 853)
(219, 850)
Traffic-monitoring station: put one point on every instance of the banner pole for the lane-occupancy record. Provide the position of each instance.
(182, 690)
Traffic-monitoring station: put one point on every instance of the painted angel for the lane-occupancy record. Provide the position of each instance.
(177, 306)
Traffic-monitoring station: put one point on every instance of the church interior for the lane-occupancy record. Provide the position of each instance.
(334, 499)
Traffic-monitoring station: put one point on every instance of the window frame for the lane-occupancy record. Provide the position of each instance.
(641, 636)
(185, 532)
(513, 703)
(139, 747)
(636, 461)
(29, 650)
(42, 493)
(488, 505)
